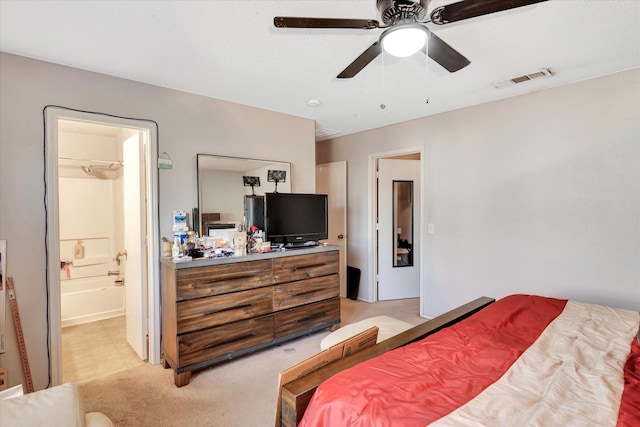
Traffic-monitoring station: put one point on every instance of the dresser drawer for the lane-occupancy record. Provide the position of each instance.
(221, 279)
(196, 347)
(289, 269)
(293, 294)
(201, 313)
(306, 317)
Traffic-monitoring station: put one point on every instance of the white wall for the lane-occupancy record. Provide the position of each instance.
(187, 124)
(534, 194)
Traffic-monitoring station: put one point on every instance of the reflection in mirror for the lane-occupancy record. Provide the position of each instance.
(403, 223)
(228, 186)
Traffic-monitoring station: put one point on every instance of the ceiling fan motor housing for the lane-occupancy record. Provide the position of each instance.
(400, 11)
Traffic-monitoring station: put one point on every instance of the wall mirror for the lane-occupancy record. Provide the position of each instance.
(223, 183)
(403, 223)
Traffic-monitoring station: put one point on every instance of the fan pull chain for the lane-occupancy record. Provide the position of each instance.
(426, 70)
(382, 106)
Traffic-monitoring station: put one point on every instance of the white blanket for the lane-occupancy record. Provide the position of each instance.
(561, 380)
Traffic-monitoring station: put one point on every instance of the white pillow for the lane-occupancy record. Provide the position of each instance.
(387, 327)
(12, 392)
(59, 406)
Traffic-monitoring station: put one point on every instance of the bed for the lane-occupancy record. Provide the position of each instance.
(523, 360)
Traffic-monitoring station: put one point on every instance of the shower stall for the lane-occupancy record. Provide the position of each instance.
(90, 196)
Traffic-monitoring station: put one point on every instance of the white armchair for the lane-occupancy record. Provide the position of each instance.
(59, 406)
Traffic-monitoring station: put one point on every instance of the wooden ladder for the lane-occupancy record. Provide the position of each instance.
(16, 321)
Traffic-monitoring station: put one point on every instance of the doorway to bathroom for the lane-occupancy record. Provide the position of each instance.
(100, 232)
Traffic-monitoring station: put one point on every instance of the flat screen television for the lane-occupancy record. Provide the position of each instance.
(296, 219)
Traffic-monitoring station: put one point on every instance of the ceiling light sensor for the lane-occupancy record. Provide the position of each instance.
(314, 103)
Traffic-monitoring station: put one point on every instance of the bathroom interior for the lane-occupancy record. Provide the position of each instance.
(93, 255)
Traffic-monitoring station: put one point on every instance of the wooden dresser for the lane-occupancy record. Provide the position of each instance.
(216, 310)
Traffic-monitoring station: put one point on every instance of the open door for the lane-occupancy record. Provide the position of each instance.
(331, 179)
(398, 229)
(135, 244)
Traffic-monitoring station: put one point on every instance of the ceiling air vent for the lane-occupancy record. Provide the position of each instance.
(545, 72)
(324, 133)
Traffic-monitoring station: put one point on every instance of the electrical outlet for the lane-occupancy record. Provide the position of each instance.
(430, 228)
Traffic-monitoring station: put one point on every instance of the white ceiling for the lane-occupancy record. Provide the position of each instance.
(230, 50)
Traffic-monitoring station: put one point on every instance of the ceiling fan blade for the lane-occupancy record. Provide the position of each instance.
(301, 22)
(471, 8)
(445, 55)
(361, 61)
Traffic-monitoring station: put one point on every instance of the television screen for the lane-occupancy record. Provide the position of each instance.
(296, 219)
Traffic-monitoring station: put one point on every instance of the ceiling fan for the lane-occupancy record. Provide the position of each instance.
(405, 29)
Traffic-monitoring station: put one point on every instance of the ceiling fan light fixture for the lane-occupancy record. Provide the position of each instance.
(404, 40)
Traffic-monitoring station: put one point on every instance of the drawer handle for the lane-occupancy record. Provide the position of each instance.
(235, 307)
(301, 267)
(313, 316)
(244, 276)
(240, 338)
(314, 291)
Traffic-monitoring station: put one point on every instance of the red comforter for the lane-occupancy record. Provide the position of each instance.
(504, 364)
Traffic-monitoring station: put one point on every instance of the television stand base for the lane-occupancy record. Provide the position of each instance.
(301, 245)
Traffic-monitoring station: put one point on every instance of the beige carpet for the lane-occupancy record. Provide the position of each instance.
(239, 393)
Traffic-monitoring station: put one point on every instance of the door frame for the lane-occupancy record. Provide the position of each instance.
(373, 202)
(51, 115)
(344, 243)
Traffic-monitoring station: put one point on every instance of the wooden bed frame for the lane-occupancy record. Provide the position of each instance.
(297, 394)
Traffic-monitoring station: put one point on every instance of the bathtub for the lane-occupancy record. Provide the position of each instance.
(89, 299)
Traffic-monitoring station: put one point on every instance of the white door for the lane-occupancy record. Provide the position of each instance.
(331, 179)
(397, 281)
(134, 240)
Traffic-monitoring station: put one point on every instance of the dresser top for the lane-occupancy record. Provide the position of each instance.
(203, 262)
